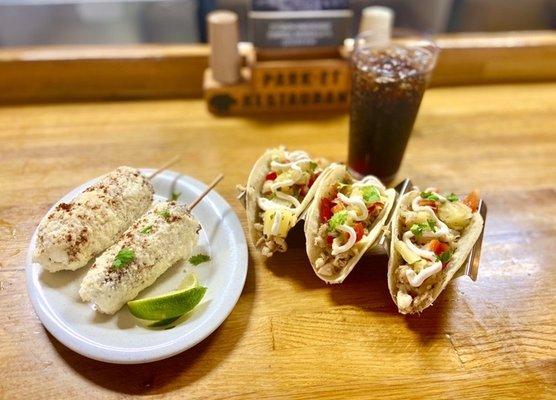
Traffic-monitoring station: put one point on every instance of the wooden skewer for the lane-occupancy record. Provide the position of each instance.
(207, 190)
(168, 164)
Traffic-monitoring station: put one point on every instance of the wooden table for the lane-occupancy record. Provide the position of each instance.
(290, 335)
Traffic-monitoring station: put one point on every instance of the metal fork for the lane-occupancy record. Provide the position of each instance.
(471, 265)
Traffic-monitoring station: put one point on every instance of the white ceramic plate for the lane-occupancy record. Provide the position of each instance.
(118, 338)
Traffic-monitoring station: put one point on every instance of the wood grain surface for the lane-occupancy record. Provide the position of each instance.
(81, 73)
(290, 335)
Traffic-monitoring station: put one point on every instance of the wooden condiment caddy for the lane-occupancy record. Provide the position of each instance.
(282, 86)
(279, 79)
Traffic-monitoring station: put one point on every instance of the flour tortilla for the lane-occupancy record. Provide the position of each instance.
(255, 182)
(465, 245)
(332, 175)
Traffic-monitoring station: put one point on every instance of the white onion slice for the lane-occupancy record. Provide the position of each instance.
(417, 280)
(288, 198)
(423, 253)
(357, 202)
(337, 249)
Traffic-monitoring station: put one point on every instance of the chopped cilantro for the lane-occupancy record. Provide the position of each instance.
(164, 214)
(452, 197)
(313, 166)
(147, 229)
(370, 194)
(418, 229)
(429, 196)
(175, 195)
(198, 259)
(445, 256)
(123, 258)
(337, 219)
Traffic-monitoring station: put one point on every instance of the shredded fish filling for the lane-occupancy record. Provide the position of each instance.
(289, 178)
(430, 227)
(347, 215)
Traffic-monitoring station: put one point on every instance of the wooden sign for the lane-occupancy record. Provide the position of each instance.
(276, 86)
(301, 75)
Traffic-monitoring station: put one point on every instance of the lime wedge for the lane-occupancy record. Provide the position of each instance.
(163, 322)
(169, 305)
(188, 282)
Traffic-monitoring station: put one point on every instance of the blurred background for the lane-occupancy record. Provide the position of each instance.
(43, 22)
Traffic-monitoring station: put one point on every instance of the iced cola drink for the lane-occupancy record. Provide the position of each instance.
(388, 83)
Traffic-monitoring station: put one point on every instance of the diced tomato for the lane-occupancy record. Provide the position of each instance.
(303, 190)
(443, 247)
(326, 209)
(271, 176)
(359, 231)
(338, 207)
(329, 240)
(438, 247)
(472, 200)
(313, 179)
(430, 203)
(432, 245)
(375, 208)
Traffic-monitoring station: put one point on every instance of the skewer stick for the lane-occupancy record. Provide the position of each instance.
(168, 164)
(207, 190)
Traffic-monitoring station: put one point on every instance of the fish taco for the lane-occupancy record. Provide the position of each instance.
(432, 235)
(344, 221)
(280, 187)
